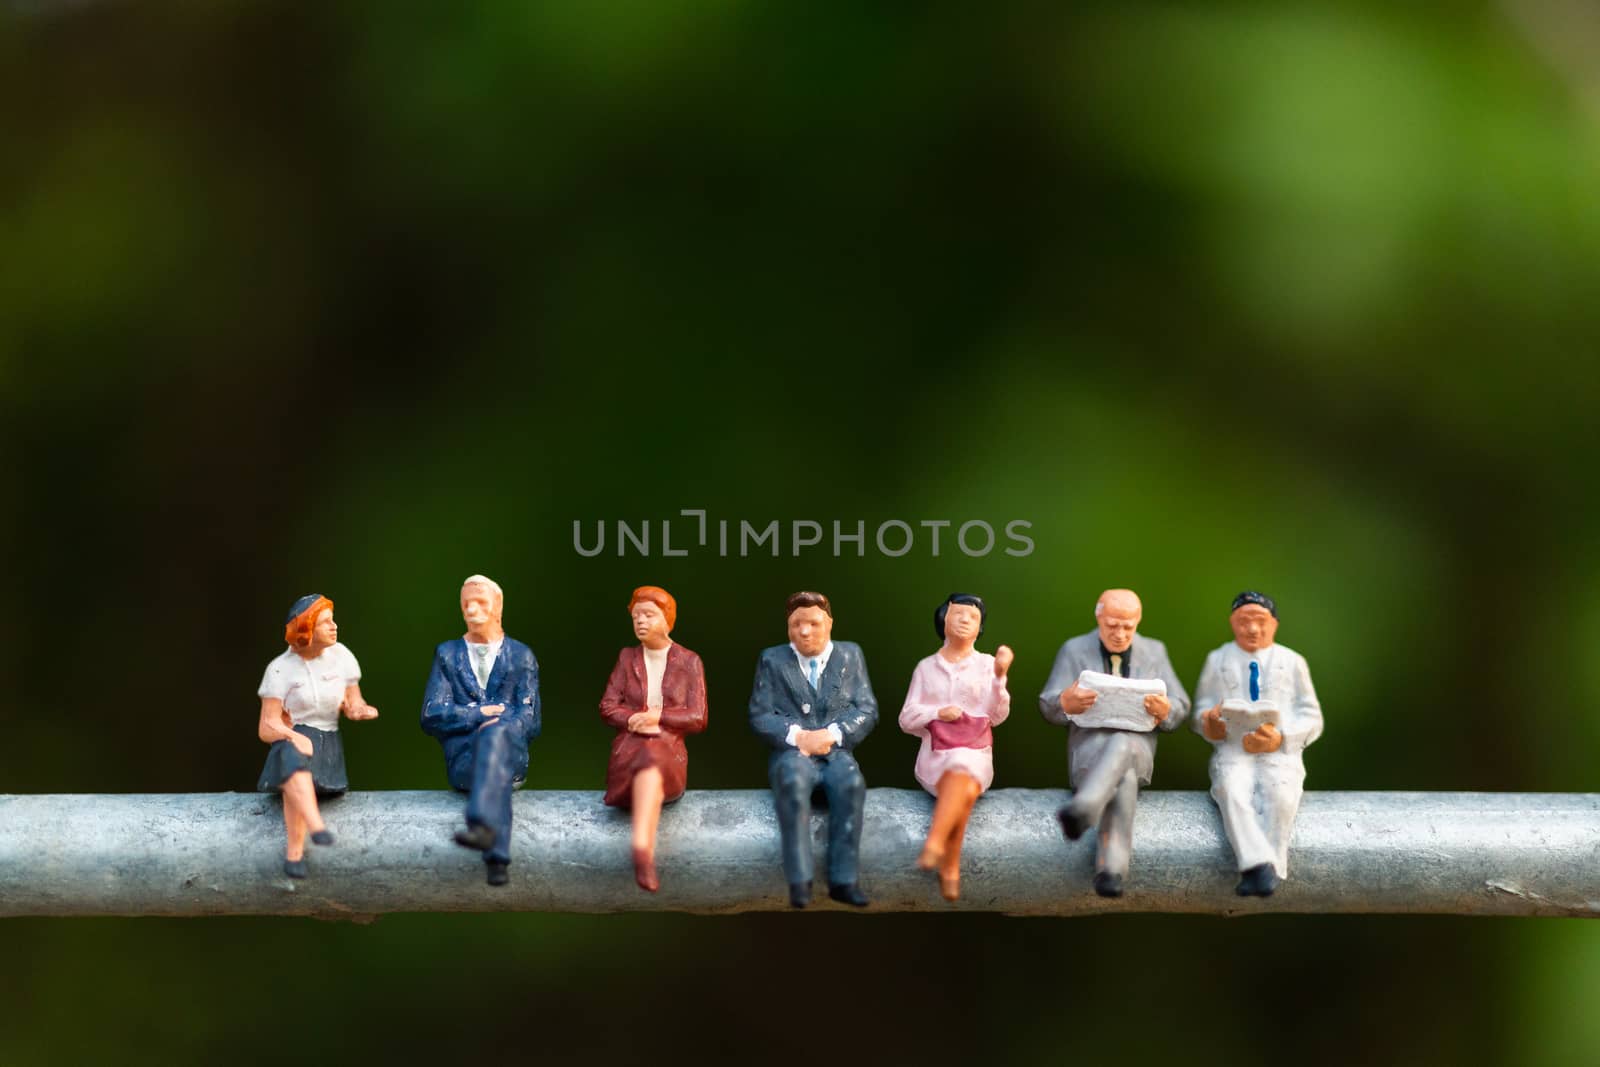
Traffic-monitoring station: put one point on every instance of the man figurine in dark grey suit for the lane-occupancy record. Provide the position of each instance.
(1108, 766)
(813, 703)
(482, 703)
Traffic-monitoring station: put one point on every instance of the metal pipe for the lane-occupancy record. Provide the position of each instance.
(220, 854)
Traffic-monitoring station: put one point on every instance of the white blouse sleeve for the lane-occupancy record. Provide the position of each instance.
(348, 665)
(274, 683)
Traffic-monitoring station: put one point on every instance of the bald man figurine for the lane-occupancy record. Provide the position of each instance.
(1108, 766)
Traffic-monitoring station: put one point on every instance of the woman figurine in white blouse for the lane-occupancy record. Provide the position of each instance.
(302, 693)
(956, 696)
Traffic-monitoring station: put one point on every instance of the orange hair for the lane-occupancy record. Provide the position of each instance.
(660, 598)
(298, 632)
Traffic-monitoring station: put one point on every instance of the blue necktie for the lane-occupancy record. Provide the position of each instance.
(812, 677)
(1255, 680)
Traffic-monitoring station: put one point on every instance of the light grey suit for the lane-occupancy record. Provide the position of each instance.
(1107, 767)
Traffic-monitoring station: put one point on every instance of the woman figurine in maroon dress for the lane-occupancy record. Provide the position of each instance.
(656, 694)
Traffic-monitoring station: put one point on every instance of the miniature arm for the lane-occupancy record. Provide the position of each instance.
(856, 723)
(1177, 696)
(1207, 693)
(691, 717)
(612, 709)
(998, 704)
(1062, 677)
(441, 716)
(770, 726)
(355, 706)
(919, 710)
(274, 725)
(523, 708)
(1305, 726)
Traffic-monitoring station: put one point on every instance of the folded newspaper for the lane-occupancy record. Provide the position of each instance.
(1242, 716)
(1119, 703)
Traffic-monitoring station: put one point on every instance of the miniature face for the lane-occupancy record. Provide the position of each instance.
(479, 608)
(961, 624)
(809, 630)
(1253, 627)
(324, 632)
(649, 623)
(1117, 622)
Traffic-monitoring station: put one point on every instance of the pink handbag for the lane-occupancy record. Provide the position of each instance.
(969, 731)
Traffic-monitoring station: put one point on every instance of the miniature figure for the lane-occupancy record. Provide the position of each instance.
(1261, 713)
(956, 696)
(1111, 756)
(482, 703)
(302, 693)
(656, 694)
(813, 704)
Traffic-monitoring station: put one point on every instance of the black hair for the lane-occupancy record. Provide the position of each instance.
(1252, 597)
(959, 598)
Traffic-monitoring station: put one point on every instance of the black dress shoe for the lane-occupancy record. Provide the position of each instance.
(477, 836)
(799, 894)
(1258, 881)
(1108, 884)
(1072, 823)
(498, 875)
(848, 893)
(295, 868)
(322, 837)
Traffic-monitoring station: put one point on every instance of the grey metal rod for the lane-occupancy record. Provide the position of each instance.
(219, 854)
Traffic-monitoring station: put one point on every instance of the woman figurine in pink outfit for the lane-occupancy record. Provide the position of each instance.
(957, 695)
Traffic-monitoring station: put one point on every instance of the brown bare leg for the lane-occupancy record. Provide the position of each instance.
(647, 795)
(299, 813)
(950, 869)
(946, 809)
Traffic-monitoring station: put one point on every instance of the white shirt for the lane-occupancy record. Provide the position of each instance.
(655, 664)
(311, 689)
(805, 672)
(482, 668)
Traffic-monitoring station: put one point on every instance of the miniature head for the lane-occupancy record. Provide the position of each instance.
(310, 626)
(654, 613)
(481, 604)
(810, 622)
(1254, 618)
(1116, 615)
(961, 616)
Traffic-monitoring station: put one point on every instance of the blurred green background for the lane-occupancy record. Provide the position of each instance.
(362, 298)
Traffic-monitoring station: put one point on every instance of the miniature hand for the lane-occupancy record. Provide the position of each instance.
(1157, 707)
(949, 713)
(302, 744)
(813, 742)
(1075, 700)
(492, 710)
(1264, 738)
(645, 722)
(1212, 726)
(1002, 660)
(365, 711)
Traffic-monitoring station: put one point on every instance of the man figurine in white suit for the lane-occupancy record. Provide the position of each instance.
(1257, 776)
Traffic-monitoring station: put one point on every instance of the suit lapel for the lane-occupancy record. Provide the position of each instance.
(828, 684)
(803, 696)
(463, 665)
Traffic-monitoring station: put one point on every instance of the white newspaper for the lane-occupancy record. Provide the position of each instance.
(1119, 702)
(1243, 716)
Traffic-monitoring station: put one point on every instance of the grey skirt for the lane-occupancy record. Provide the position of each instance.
(326, 763)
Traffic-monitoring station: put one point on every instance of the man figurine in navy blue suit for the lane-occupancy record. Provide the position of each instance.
(482, 704)
(813, 703)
